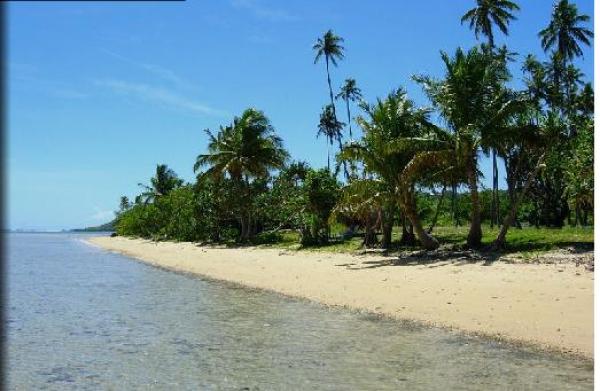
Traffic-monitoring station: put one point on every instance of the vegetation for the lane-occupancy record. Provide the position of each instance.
(413, 181)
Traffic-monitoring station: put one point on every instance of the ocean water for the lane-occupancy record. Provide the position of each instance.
(82, 318)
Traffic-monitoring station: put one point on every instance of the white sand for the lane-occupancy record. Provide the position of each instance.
(550, 306)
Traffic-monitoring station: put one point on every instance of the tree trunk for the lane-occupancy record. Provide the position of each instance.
(407, 238)
(329, 84)
(410, 209)
(437, 211)
(349, 120)
(474, 237)
(500, 241)
(387, 224)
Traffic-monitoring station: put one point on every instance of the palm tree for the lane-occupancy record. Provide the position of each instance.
(395, 132)
(161, 184)
(488, 13)
(330, 47)
(473, 101)
(481, 19)
(564, 33)
(349, 92)
(331, 128)
(245, 150)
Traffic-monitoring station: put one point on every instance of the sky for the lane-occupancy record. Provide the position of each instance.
(101, 92)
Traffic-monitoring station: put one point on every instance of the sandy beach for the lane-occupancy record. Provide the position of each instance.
(549, 306)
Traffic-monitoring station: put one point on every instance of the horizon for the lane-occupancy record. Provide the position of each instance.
(98, 94)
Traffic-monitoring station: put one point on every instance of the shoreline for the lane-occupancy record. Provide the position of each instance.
(544, 307)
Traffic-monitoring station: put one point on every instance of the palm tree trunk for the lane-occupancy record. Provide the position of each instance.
(410, 209)
(494, 203)
(387, 224)
(474, 237)
(349, 120)
(437, 211)
(328, 151)
(510, 217)
(329, 83)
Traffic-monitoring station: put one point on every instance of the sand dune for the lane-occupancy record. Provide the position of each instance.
(550, 306)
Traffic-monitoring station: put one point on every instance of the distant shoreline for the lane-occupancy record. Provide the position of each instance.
(545, 306)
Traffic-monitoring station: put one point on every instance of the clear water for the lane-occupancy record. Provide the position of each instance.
(82, 318)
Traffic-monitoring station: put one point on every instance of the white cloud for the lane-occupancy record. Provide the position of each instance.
(157, 95)
(264, 12)
(157, 70)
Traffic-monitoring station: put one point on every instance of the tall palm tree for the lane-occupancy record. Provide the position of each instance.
(488, 13)
(331, 128)
(349, 93)
(475, 104)
(564, 33)
(161, 184)
(246, 150)
(481, 19)
(330, 47)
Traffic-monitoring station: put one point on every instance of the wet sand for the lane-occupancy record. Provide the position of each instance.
(548, 306)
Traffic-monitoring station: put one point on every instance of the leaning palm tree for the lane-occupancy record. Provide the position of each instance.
(349, 93)
(246, 150)
(481, 19)
(330, 47)
(331, 128)
(564, 33)
(394, 133)
(475, 104)
(161, 184)
(488, 13)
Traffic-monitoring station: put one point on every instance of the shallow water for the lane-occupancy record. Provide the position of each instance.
(82, 318)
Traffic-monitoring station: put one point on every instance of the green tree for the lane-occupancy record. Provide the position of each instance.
(349, 93)
(246, 151)
(488, 13)
(331, 128)
(163, 182)
(330, 47)
(565, 33)
(481, 19)
(473, 101)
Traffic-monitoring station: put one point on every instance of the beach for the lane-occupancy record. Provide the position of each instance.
(549, 306)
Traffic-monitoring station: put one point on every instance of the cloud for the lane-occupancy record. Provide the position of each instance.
(157, 70)
(69, 94)
(161, 96)
(102, 215)
(264, 12)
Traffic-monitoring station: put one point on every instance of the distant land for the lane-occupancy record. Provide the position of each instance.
(108, 227)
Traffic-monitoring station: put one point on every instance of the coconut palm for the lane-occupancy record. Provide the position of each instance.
(161, 184)
(481, 19)
(395, 132)
(488, 13)
(564, 33)
(349, 93)
(246, 150)
(330, 47)
(472, 100)
(331, 128)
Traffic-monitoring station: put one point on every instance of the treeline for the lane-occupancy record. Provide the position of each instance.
(405, 169)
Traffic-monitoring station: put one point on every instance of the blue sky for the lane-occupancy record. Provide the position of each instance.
(99, 93)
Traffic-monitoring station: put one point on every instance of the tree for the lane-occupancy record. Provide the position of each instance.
(564, 33)
(124, 204)
(331, 128)
(474, 102)
(246, 150)
(330, 47)
(161, 184)
(488, 13)
(349, 93)
(481, 19)
(394, 132)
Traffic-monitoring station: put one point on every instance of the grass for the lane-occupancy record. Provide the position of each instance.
(528, 241)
